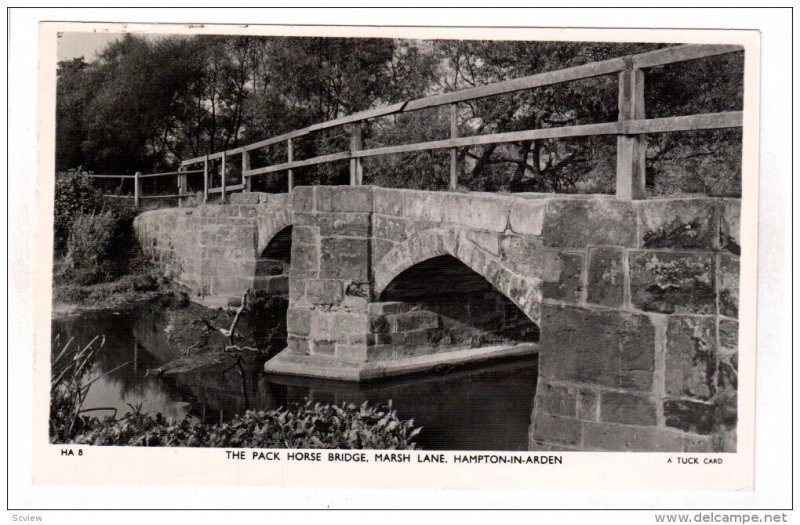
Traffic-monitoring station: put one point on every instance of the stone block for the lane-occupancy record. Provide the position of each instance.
(485, 241)
(351, 353)
(319, 291)
(527, 216)
(350, 323)
(345, 224)
(305, 260)
(690, 416)
(388, 201)
(693, 443)
(587, 405)
(479, 213)
(728, 336)
(691, 357)
(730, 224)
(389, 307)
(605, 277)
(323, 347)
(303, 198)
(245, 198)
(619, 407)
(613, 437)
(345, 258)
(583, 222)
(414, 320)
(378, 324)
(323, 326)
(562, 276)
(555, 400)
(380, 248)
(297, 289)
(607, 348)
(678, 223)
(304, 234)
(423, 205)
(298, 345)
(729, 285)
(728, 360)
(553, 429)
(301, 218)
(381, 352)
(344, 199)
(391, 228)
(668, 282)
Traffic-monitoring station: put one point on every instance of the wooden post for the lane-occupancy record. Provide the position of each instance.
(631, 149)
(182, 185)
(205, 180)
(356, 170)
(245, 168)
(453, 151)
(222, 173)
(290, 158)
(137, 189)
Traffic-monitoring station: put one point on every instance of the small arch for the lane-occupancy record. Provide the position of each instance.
(269, 226)
(276, 257)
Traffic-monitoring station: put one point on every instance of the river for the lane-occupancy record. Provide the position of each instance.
(481, 408)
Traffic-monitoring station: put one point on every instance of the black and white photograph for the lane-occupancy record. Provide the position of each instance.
(400, 258)
(315, 242)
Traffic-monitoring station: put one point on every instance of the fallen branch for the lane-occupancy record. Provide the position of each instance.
(232, 330)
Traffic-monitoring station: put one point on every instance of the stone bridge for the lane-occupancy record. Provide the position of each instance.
(631, 305)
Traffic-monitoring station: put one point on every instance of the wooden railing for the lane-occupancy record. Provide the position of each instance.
(631, 127)
(138, 177)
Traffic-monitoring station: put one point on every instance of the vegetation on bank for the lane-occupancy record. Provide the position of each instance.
(97, 263)
(296, 426)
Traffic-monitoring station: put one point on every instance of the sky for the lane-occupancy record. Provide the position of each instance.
(73, 45)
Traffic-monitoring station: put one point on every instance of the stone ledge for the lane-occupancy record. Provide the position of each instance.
(288, 363)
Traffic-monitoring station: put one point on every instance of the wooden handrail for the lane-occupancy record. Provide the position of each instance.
(630, 128)
(657, 125)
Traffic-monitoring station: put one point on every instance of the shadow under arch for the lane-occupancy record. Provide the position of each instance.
(440, 301)
(524, 292)
(275, 258)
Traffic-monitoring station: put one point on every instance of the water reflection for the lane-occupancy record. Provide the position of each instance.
(486, 408)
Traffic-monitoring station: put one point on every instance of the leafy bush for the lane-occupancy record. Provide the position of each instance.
(74, 196)
(88, 244)
(298, 426)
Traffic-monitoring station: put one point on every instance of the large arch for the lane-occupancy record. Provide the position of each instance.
(523, 291)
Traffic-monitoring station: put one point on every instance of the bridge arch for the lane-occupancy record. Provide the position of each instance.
(269, 227)
(524, 292)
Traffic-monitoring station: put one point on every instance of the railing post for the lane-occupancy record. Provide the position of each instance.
(245, 168)
(137, 189)
(222, 173)
(290, 158)
(453, 151)
(205, 180)
(182, 185)
(356, 170)
(631, 149)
